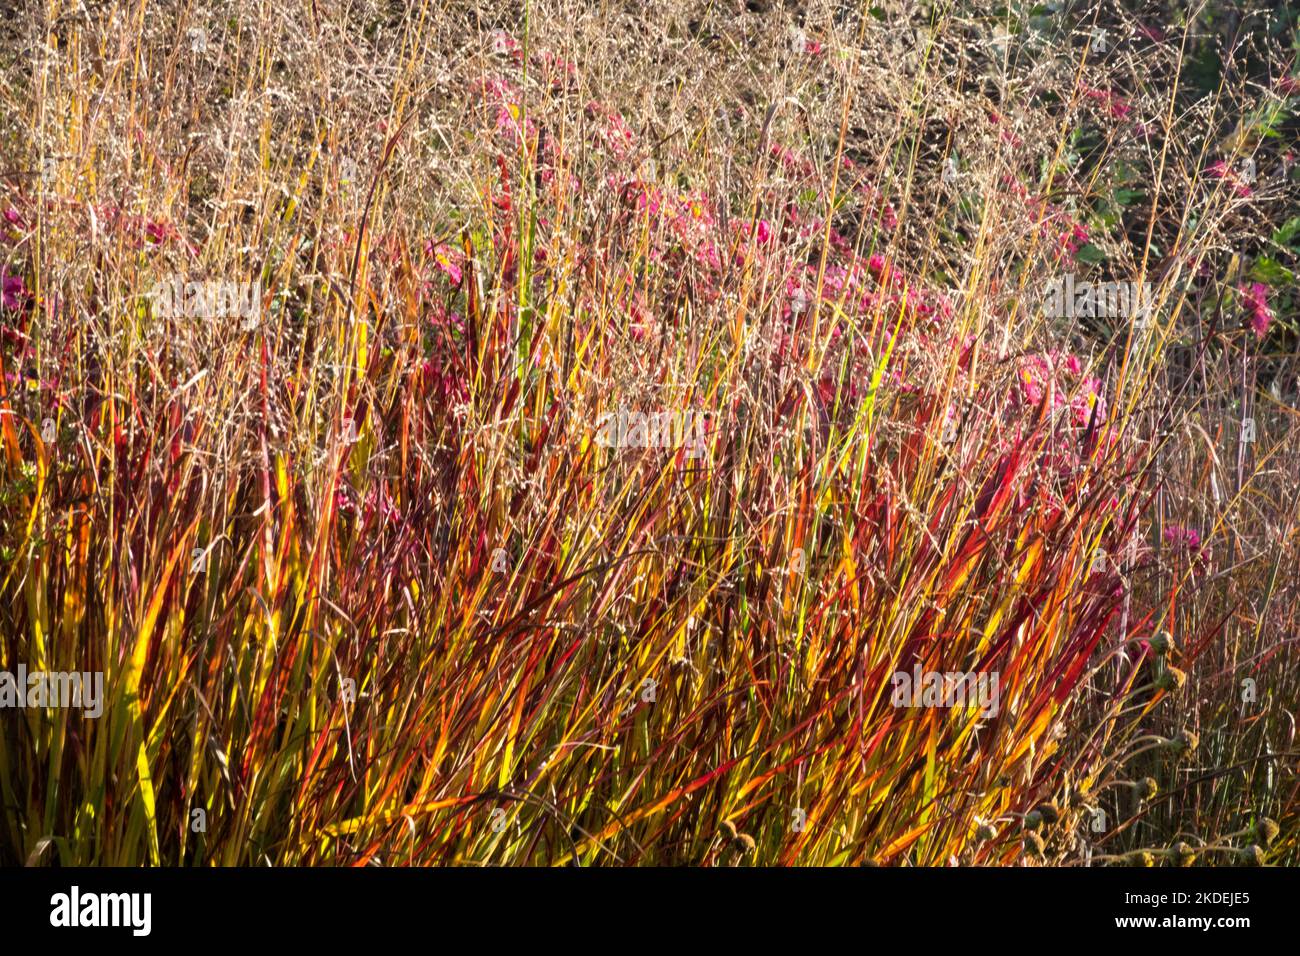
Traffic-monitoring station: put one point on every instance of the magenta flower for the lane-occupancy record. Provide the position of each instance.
(1072, 241)
(447, 260)
(1088, 404)
(503, 44)
(15, 293)
(1255, 299)
(1219, 169)
(1116, 106)
(1183, 538)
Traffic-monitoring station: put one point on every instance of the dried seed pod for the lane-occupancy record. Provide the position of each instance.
(1171, 678)
(1034, 844)
(1187, 741)
(1049, 811)
(1162, 643)
(1266, 830)
(1181, 854)
(1252, 855)
(1140, 858)
(1146, 788)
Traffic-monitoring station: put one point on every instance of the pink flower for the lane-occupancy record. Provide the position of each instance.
(764, 231)
(1031, 387)
(1182, 538)
(1076, 238)
(1260, 321)
(615, 134)
(378, 503)
(1116, 106)
(503, 44)
(15, 293)
(1221, 170)
(495, 88)
(1088, 404)
(1007, 136)
(447, 260)
(792, 162)
(1255, 299)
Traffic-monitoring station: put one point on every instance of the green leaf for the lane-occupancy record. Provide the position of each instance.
(1272, 272)
(1090, 254)
(1290, 229)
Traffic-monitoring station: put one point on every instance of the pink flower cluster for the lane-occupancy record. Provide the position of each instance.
(1059, 376)
(15, 293)
(1219, 169)
(1183, 538)
(1116, 107)
(1255, 299)
(695, 251)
